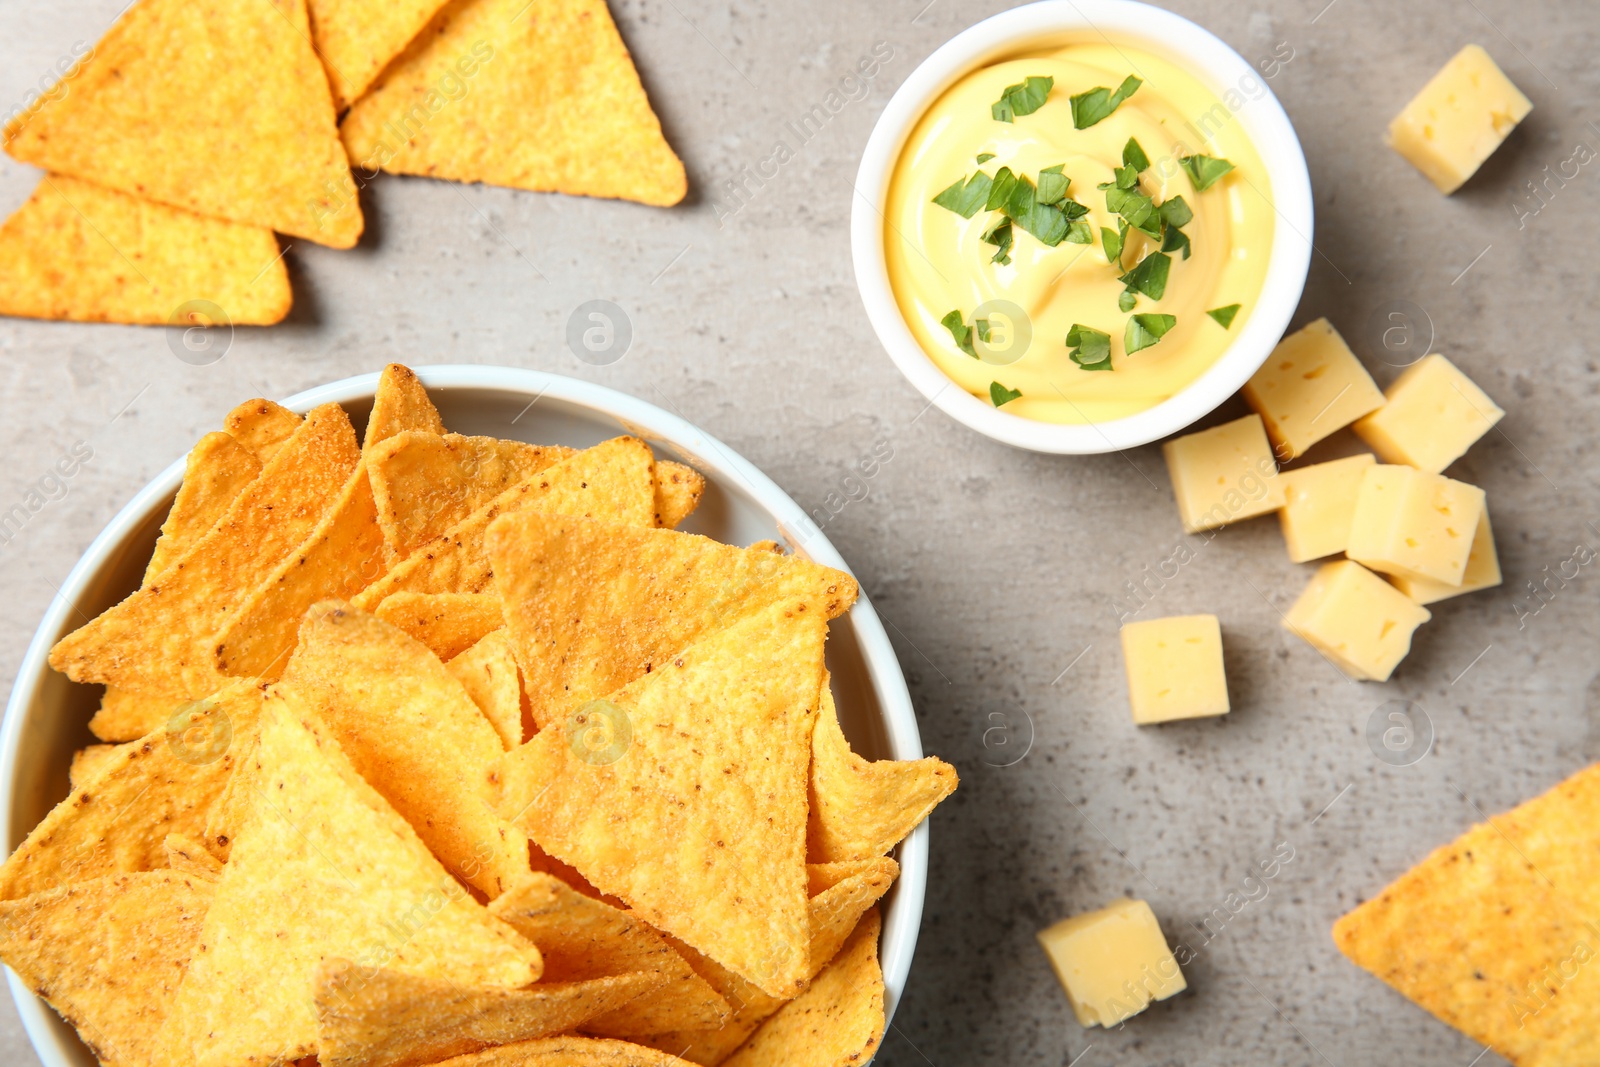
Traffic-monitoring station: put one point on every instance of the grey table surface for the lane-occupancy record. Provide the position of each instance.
(1001, 574)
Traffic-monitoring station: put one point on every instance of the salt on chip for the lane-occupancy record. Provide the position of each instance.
(127, 714)
(385, 1019)
(583, 938)
(323, 868)
(678, 492)
(81, 252)
(160, 638)
(566, 1051)
(188, 856)
(357, 38)
(399, 404)
(593, 606)
(683, 794)
(488, 672)
(216, 472)
(861, 808)
(90, 761)
(552, 102)
(448, 623)
(614, 481)
(175, 87)
(413, 733)
(108, 954)
(262, 426)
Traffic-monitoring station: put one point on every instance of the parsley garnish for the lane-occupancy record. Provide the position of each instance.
(1023, 99)
(1150, 276)
(1000, 396)
(999, 234)
(1145, 330)
(1133, 156)
(1111, 241)
(1126, 299)
(1224, 315)
(1091, 348)
(1204, 171)
(1053, 185)
(984, 157)
(965, 200)
(1090, 107)
(956, 324)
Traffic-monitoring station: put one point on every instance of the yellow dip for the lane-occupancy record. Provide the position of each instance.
(938, 261)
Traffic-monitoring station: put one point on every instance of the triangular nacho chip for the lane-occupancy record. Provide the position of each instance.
(323, 868)
(413, 733)
(678, 492)
(860, 808)
(216, 472)
(552, 102)
(488, 672)
(566, 1051)
(222, 110)
(400, 404)
(126, 715)
(448, 623)
(593, 606)
(90, 761)
(85, 253)
(684, 793)
(357, 38)
(261, 426)
(384, 1019)
(232, 808)
(188, 856)
(108, 954)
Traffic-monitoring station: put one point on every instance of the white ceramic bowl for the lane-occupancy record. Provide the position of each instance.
(47, 716)
(1154, 30)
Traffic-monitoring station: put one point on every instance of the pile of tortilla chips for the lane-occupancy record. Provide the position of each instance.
(193, 130)
(430, 748)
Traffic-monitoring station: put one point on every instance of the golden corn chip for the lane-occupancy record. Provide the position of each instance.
(413, 733)
(683, 794)
(614, 481)
(232, 808)
(188, 856)
(342, 556)
(1496, 934)
(711, 1046)
(399, 404)
(427, 482)
(488, 672)
(108, 954)
(127, 715)
(261, 426)
(837, 1021)
(385, 1019)
(160, 638)
(90, 761)
(448, 623)
(119, 820)
(85, 253)
(593, 606)
(678, 492)
(323, 868)
(357, 38)
(221, 109)
(566, 1051)
(540, 96)
(860, 808)
(216, 472)
(583, 938)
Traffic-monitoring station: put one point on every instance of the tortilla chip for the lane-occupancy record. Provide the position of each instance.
(399, 404)
(90, 761)
(413, 733)
(1496, 933)
(552, 102)
(678, 492)
(232, 808)
(861, 808)
(582, 938)
(323, 868)
(338, 559)
(84, 253)
(593, 606)
(385, 1019)
(448, 623)
(488, 672)
(711, 1046)
(566, 1051)
(108, 954)
(691, 811)
(357, 38)
(262, 426)
(614, 481)
(174, 89)
(160, 638)
(118, 821)
(216, 472)
(188, 856)
(837, 1021)
(126, 715)
(427, 482)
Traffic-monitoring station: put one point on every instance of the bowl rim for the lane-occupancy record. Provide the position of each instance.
(903, 914)
(1208, 58)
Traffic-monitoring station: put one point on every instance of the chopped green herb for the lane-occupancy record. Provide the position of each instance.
(1126, 299)
(1224, 315)
(1000, 189)
(1022, 99)
(1175, 211)
(1091, 348)
(960, 331)
(1139, 210)
(1079, 233)
(1053, 185)
(1111, 241)
(1133, 156)
(1175, 240)
(1204, 171)
(984, 157)
(1145, 330)
(1000, 235)
(1149, 276)
(1000, 396)
(1090, 107)
(966, 199)
(1045, 222)
(982, 326)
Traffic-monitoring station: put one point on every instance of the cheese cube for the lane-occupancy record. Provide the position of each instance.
(1113, 962)
(1223, 474)
(1414, 524)
(1319, 503)
(1175, 668)
(1310, 386)
(1431, 415)
(1458, 119)
(1356, 619)
(1483, 571)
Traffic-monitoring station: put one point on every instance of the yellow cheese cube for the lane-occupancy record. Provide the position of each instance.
(1414, 524)
(1310, 386)
(1356, 619)
(1175, 668)
(1223, 474)
(1458, 119)
(1112, 962)
(1319, 503)
(1483, 571)
(1431, 415)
